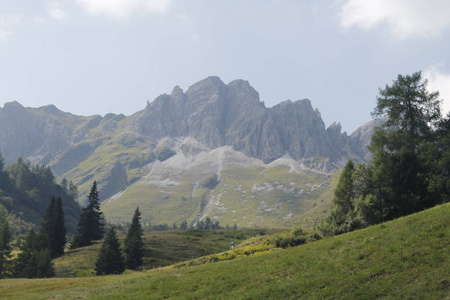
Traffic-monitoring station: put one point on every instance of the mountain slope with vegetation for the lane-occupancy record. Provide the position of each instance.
(26, 191)
(400, 259)
(209, 119)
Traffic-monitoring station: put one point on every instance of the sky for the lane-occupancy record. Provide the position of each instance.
(100, 56)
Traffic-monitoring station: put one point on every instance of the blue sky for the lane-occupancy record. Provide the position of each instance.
(99, 56)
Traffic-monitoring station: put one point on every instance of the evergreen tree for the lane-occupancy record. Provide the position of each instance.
(398, 164)
(35, 259)
(183, 225)
(1, 162)
(410, 166)
(90, 225)
(73, 190)
(110, 259)
(5, 248)
(65, 185)
(53, 224)
(133, 243)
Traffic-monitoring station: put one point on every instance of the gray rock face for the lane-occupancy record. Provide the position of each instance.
(217, 115)
(39, 134)
(212, 112)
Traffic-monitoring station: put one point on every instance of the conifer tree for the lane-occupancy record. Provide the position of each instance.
(1, 162)
(5, 248)
(110, 259)
(133, 242)
(90, 225)
(343, 195)
(73, 190)
(53, 224)
(35, 259)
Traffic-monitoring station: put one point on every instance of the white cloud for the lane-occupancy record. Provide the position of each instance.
(405, 18)
(438, 81)
(7, 24)
(121, 9)
(56, 11)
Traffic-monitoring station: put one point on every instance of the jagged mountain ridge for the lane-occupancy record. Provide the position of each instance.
(218, 115)
(210, 111)
(121, 152)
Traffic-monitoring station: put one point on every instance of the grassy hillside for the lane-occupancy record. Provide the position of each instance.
(251, 197)
(404, 259)
(162, 248)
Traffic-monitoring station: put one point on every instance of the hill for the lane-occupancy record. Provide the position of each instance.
(26, 191)
(401, 259)
(161, 248)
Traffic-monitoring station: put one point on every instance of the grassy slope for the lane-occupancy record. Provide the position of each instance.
(403, 259)
(238, 202)
(161, 249)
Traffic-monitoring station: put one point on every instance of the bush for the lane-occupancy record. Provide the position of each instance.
(286, 240)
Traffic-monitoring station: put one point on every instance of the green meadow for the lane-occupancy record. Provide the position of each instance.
(407, 258)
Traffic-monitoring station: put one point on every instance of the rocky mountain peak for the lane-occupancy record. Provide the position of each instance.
(12, 107)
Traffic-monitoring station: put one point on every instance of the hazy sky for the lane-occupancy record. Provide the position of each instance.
(98, 56)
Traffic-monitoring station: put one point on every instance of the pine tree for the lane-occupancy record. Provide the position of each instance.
(183, 225)
(35, 260)
(343, 194)
(399, 170)
(53, 224)
(110, 259)
(90, 225)
(59, 232)
(73, 190)
(65, 185)
(133, 242)
(1, 162)
(5, 248)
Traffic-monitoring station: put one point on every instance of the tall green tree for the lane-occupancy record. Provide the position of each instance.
(342, 217)
(5, 247)
(110, 259)
(133, 242)
(400, 174)
(53, 224)
(91, 223)
(35, 260)
(73, 190)
(410, 165)
(344, 192)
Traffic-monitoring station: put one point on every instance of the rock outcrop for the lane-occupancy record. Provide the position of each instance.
(115, 149)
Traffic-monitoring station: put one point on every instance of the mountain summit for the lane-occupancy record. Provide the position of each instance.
(213, 127)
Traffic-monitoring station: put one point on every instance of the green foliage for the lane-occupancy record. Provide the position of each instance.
(403, 259)
(91, 224)
(183, 225)
(35, 259)
(211, 182)
(53, 224)
(5, 247)
(291, 239)
(163, 153)
(26, 190)
(2, 164)
(161, 248)
(409, 171)
(133, 243)
(110, 259)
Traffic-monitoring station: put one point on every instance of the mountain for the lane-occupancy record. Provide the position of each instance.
(187, 155)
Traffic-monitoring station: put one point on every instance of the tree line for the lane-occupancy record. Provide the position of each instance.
(410, 167)
(39, 248)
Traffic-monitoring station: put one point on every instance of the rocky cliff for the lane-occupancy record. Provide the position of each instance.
(120, 152)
